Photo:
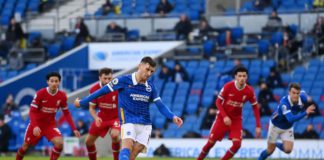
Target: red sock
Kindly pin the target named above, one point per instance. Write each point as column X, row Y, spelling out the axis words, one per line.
column 115, row 148
column 92, row 152
column 230, row 153
column 205, row 150
column 56, row 152
column 20, row 154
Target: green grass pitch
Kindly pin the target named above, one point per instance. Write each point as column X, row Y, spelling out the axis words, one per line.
column 85, row 158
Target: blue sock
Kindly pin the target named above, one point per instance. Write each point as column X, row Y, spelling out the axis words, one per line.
column 124, row 154
column 280, row 146
column 264, row 154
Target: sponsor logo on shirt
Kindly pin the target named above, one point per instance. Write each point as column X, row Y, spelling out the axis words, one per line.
column 49, row 110
column 234, row 103
column 139, row 97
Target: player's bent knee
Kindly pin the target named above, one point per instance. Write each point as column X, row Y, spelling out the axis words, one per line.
column 288, row 151
column 211, row 141
column 89, row 143
column 236, row 146
column 115, row 137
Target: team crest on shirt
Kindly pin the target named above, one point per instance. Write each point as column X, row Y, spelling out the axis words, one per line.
column 148, row 88
column 115, row 81
column 58, row 102
column 243, row 97
column 116, row 124
column 284, row 108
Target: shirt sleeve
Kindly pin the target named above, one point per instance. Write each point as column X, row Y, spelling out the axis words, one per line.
column 253, row 98
column 36, row 103
column 223, row 93
column 37, row 100
column 95, row 101
column 64, row 105
column 155, row 94
column 116, row 84
column 220, row 101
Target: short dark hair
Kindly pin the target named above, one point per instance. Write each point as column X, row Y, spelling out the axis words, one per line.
column 241, row 69
column 149, row 61
column 105, row 70
column 53, row 74
column 294, row 85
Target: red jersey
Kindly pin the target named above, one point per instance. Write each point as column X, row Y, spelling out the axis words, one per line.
column 45, row 105
column 107, row 104
column 233, row 99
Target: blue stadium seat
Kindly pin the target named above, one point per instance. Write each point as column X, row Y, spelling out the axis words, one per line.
column 263, row 47
column 65, row 129
column 273, row 106
column 133, row 35
column 237, row 34
column 279, row 92
column 316, row 91
column 314, row 62
column 312, row 69
column 318, row 123
column 159, row 122
column 68, row 43
column 192, row 104
column 307, row 85
column 54, row 50
column 180, row 99
column 219, row 64
column 277, row 38
column 309, row 76
column 308, row 44
column 169, row 133
column 300, row 128
column 265, row 72
column 208, row 47
column 205, row 133
column 322, row 135
column 255, row 63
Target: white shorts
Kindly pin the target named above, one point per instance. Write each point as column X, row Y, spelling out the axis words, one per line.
column 285, row 134
column 138, row 132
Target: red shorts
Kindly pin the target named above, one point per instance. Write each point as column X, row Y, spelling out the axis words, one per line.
column 104, row 128
column 48, row 131
column 219, row 129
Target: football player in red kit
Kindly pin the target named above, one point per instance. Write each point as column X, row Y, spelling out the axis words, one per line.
column 42, row 113
column 107, row 118
column 229, row 118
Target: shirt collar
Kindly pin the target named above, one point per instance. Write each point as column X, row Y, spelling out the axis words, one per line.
column 237, row 86
column 134, row 80
column 48, row 91
column 299, row 101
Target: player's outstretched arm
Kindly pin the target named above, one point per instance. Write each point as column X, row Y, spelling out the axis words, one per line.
column 164, row 109
column 294, row 118
column 85, row 101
